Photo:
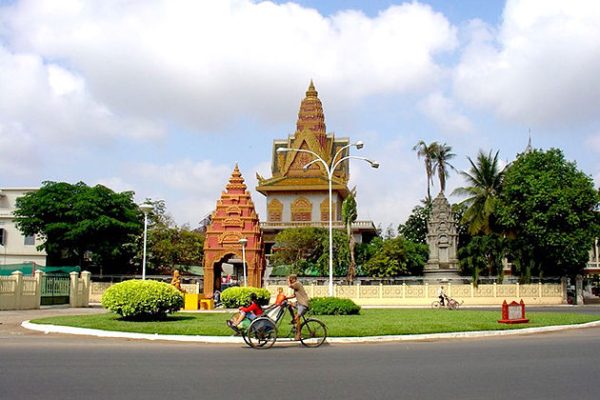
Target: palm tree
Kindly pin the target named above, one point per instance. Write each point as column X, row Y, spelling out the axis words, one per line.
column 442, row 154
column 427, row 151
column 349, row 215
column 484, row 180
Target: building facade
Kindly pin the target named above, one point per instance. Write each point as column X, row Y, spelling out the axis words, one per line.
column 298, row 191
column 14, row 247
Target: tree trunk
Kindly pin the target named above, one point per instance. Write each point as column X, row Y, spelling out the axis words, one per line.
column 351, row 246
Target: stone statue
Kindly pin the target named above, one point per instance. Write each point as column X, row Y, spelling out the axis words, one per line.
column 176, row 280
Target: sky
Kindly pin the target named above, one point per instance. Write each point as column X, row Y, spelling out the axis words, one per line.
column 163, row 97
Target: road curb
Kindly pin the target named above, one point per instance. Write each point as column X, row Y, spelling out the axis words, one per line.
column 334, row 340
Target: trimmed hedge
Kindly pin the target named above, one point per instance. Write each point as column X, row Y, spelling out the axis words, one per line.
column 235, row 297
column 142, row 300
column 333, row 306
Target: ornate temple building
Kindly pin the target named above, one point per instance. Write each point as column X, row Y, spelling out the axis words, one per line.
column 299, row 196
column 233, row 220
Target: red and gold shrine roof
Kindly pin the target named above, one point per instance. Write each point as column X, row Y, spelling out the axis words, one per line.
column 287, row 167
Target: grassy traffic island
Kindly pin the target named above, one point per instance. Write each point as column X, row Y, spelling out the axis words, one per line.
column 370, row 322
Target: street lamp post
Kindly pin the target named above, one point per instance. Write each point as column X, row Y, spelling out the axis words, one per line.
column 330, row 169
column 243, row 242
column 146, row 208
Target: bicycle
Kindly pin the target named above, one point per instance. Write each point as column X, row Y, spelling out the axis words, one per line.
column 262, row 333
column 450, row 304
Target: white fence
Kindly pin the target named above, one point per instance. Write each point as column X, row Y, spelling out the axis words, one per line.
column 18, row 292
column 425, row 294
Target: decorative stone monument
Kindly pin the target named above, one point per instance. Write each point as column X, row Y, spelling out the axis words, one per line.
column 234, row 219
column 442, row 240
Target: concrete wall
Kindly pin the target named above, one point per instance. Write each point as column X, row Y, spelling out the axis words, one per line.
column 24, row 293
column 425, row 294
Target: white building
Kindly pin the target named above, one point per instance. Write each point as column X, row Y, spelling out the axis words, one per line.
column 14, row 247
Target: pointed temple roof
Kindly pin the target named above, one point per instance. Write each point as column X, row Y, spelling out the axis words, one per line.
column 234, row 218
column 287, row 167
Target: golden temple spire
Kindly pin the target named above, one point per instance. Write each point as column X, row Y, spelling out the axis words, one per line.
column 236, row 182
column 311, row 116
column 312, row 92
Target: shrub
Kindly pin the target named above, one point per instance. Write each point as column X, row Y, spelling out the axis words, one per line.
column 333, row 306
column 142, row 300
column 234, row 297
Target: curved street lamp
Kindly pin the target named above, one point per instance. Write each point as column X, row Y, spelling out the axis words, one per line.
column 330, row 168
column 146, row 208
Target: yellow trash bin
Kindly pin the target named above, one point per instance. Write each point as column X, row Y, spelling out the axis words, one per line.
column 191, row 301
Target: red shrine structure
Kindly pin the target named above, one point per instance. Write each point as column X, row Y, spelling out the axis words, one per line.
column 234, row 219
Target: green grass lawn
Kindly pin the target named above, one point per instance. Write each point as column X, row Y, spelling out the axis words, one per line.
column 370, row 322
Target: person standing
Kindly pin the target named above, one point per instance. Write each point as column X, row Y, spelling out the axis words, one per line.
column 301, row 301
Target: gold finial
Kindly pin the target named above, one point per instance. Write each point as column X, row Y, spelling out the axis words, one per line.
column 311, row 92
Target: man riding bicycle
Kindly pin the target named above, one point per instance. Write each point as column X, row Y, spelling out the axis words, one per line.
column 301, row 301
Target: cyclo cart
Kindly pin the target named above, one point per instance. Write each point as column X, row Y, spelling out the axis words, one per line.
column 262, row 332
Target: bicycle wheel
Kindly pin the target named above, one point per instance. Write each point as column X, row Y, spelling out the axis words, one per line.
column 262, row 333
column 313, row 333
column 436, row 304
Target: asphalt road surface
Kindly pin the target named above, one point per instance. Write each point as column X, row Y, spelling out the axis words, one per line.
column 545, row 366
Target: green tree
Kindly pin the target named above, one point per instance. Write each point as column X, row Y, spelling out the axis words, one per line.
column 395, row 257
column 415, row 227
column 299, row 247
column 547, row 207
column 175, row 247
column 81, row 224
column 307, row 251
column 442, row 154
column 169, row 246
column 484, row 181
column 483, row 253
column 427, row 152
column 341, row 255
column 349, row 215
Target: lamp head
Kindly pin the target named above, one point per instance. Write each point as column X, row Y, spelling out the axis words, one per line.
column 282, row 149
column 374, row 164
column 146, row 208
column 305, row 168
column 359, row 145
column 243, row 241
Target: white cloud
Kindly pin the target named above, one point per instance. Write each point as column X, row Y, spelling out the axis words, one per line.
column 204, row 63
column 52, row 106
column 539, row 67
column 442, row 111
column 18, row 153
column 387, row 195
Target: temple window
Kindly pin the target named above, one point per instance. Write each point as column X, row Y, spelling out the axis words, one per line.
column 301, row 210
column 275, row 210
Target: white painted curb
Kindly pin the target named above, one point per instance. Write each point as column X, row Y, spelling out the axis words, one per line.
column 238, row 340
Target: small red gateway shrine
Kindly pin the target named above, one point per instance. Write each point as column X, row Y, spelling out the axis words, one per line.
column 513, row 313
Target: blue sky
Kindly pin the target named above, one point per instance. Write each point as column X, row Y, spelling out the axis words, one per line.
column 163, row 97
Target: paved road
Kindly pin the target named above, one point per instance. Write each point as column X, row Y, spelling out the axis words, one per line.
column 549, row 366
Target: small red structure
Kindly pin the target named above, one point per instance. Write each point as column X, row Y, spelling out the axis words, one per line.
column 513, row 313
